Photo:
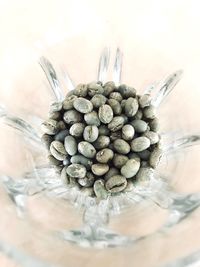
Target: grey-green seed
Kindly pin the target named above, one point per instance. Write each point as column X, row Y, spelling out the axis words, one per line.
column 102, row 142
column 104, row 155
column 145, row 154
column 115, row 105
column 66, row 162
column 55, row 106
column 116, row 124
column 109, row 87
column 100, row 190
column 64, row 176
column 140, row 126
column 50, row 127
column 140, row 144
column 116, row 183
column 87, row 181
column 133, row 155
column 54, row 161
column 112, row 171
column 72, row 116
column 55, row 115
column 61, row 135
column 98, row 100
column 71, row 145
column 105, row 113
column 68, row 103
column 126, row 91
column 103, row 130
column 130, row 168
column 57, row 149
column 121, row 146
column 138, row 115
column 153, row 137
column 154, row 125
column 94, row 88
column 61, row 125
column 100, row 169
column 83, row 105
column 144, row 100
column 46, row 140
column 128, row 132
column 116, row 95
column 81, row 90
column 90, row 133
column 115, row 135
column 80, row 159
column 144, row 176
column 155, row 157
column 149, row 112
column 131, row 106
column 77, row 129
column 92, row 118
column 76, row 171
column 119, row 160
column 86, row 149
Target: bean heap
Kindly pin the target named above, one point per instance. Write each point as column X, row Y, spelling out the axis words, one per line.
column 103, row 138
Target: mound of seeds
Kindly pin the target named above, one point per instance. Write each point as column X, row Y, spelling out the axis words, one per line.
column 103, row 138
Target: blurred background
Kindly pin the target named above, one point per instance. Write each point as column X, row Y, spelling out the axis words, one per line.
column 156, row 37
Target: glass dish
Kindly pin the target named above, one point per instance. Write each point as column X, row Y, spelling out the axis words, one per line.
column 43, row 223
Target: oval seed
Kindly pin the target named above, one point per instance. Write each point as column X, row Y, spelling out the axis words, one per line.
column 54, row 161
column 92, row 118
column 77, row 129
column 115, row 135
column 86, row 149
column 116, row 95
column 102, row 142
column 144, row 176
column 121, row 146
column 154, row 125
column 153, row 137
column 87, row 181
column 61, row 125
column 76, row 170
column 155, row 157
column 144, row 155
column 50, row 127
column 71, row 145
column 81, row 90
column 149, row 112
column 55, row 106
column 90, row 133
column 131, row 106
column 105, row 113
column 138, row 115
column 119, row 160
column 128, row 132
column 64, row 176
column 57, row 149
column 115, row 105
column 130, row 169
column 100, row 190
column 104, row 155
column 68, row 103
column 116, row 183
column 99, row 169
column 98, row 100
column 126, row 91
column 116, row 124
column 140, row 126
column 83, row 105
column 145, row 100
column 109, row 87
column 61, row 135
column 79, row 159
column 72, row 116
column 46, row 140
column 55, row 115
column 103, row 130
column 112, row 171
column 94, row 88
column 140, row 144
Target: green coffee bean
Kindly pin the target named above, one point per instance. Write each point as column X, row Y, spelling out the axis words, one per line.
column 94, row 88
column 144, row 155
column 154, row 125
column 131, row 107
column 81, row 90
column 153, row 137
column 140, row 126
column 87, row 181
column 116, row 183
column 138, row 115
column 145, row 100
column 71, row 145
column 102, row 142
column 140, row 144
column 55, row 106
column 50, row 127
column 64, row 176
column 83, row 105
column 57, row 149
column 86, row 149
column 130, row 186
column 121, row 146
column 61, row 125
column 115, row 135
column 105, row 113
column 149, row 112
column 119, row 160
column 70, row 93
column 123, row 102
column 115, row 105
column 125, row 118
column 98, row 100
column 128, row 132
column 126, row 91
column 79, row 159
column 155, row 157
column 77, row 129
column 90, row 133
column 72, row 116
column 66, row 162
column 100, row 190
column 61, row 135
column 92, row 118
column 144, row 176
column 116, row 95
column 104, row 155
column 55, row 115
column 100, row 169
column 112, row 171
column 54, row 161
column 109, row 87
column 116, row 124
column 133, row 155
column 46, row 140
column 103, row 130
column 130, row 168
column 76, row 170
column 68, row 103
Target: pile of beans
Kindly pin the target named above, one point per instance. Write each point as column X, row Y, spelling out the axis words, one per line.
column 103, row 138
